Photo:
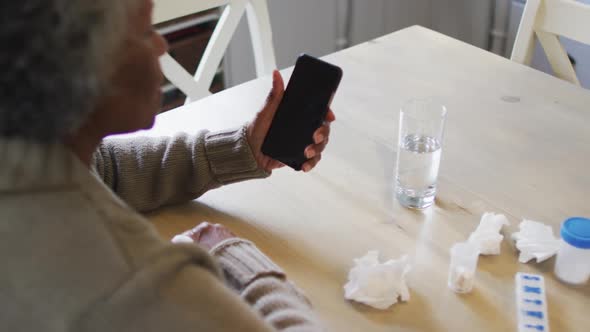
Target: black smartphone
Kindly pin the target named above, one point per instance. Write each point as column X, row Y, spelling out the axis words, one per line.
column 302, row 110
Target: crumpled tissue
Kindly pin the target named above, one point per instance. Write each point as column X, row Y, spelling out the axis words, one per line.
column 182, row 238
column 378, row 285
column 487, row 235
column 535, row 240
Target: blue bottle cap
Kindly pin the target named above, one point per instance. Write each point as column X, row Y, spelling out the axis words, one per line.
column 576, row 232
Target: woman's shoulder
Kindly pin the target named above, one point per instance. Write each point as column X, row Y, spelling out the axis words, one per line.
column 57, row 250
column 63, row 248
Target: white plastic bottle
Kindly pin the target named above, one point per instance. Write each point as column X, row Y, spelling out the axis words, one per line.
column 572, row 265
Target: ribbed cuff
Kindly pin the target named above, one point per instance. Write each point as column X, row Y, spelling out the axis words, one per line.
column 243, row 263
column 230, row 156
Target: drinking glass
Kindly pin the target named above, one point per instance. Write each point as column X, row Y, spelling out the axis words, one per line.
column 421, row 127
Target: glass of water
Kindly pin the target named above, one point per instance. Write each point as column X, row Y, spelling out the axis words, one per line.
column 421, row 127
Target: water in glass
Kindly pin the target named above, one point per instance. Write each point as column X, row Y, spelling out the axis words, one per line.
column 417, row 170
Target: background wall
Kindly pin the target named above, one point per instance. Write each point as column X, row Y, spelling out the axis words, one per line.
column 320, row 27
column 317, row 27
column 298, row 26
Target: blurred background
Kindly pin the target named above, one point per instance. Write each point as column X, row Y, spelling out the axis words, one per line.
column 320, row 27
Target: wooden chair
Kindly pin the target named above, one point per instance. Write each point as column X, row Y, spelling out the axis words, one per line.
column 196, row 85
column 549, row 19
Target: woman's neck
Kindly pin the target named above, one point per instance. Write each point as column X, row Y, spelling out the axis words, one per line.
column 83, row 143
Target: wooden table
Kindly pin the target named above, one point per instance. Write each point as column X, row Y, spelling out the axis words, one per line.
column 517, row 142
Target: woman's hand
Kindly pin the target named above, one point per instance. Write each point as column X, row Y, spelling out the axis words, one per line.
column 258, row 128
column 207, row 235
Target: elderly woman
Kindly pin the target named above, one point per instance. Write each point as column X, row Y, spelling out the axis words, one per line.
column 76, row 256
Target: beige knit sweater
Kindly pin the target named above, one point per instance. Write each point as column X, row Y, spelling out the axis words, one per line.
column 75, row 256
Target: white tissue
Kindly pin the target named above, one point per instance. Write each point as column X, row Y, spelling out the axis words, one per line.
column 535, row 240
column 378, row 284
column 487, row 235
column 181, row 238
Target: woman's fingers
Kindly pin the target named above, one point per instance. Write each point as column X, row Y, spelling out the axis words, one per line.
column 311, row 163
column 316, row 149
column 321, row 134
column 330, row 116
column 273, row 164
column 206, row 234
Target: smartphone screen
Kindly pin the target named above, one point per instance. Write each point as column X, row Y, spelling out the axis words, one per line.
column 302, row 110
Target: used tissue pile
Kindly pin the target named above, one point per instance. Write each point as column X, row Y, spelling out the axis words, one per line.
column 485, row 240
column 535, row 240
column 487, row 235
column 378, row 284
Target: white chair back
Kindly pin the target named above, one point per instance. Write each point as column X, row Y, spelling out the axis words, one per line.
column 196, row 85
column 549, row 19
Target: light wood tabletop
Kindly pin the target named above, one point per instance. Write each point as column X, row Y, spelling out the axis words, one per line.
column 517, row 142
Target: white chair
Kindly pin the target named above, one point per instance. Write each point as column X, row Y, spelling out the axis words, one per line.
column 549, row 19
column 196, row 85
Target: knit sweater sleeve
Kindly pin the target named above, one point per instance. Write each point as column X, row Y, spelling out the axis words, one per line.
column 177, row 289
column 149, row 172
column 264, row 286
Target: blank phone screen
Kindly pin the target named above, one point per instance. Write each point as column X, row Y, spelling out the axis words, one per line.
column 302, row 110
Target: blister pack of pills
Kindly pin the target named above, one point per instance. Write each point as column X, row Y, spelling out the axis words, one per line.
column 531, row 303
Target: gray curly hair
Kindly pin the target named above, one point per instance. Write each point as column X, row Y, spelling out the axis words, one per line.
column 55, row 60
